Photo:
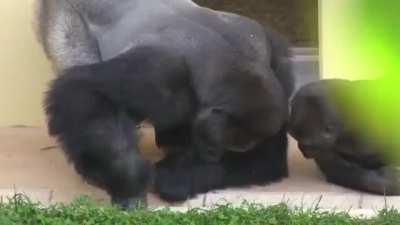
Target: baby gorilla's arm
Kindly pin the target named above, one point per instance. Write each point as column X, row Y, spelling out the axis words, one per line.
column 337, row 170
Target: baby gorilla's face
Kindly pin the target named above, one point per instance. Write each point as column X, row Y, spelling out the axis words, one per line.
column 314, row 123
column 216, row 132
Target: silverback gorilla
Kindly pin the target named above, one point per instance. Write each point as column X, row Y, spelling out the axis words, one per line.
column 319, row 123
column 214, row 85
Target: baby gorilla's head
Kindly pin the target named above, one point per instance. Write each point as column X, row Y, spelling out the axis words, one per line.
column 316, row 122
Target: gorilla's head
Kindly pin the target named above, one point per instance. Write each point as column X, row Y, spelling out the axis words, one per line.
column 217, row 131
column 316, row 122
column 247, row 113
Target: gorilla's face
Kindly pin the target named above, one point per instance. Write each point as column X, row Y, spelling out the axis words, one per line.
column 248, row 107
column 216, row 131
column 314, row 123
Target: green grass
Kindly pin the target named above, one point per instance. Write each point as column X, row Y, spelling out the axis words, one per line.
column 20, row 211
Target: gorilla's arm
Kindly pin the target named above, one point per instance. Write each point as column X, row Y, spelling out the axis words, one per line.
column 349, row 174
column 93, row 110
column 182, row 176
column 65, row 35
column 98, row 138
column 362, row 151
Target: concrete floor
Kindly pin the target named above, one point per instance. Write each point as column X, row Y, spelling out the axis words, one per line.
column 31, row 163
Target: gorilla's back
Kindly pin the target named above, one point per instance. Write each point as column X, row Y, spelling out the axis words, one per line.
column 217, row 46
column 198, row 33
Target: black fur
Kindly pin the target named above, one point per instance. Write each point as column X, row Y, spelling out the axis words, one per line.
column 91, row 111
column 214, row 85
column 322, row 124
column 182, row 176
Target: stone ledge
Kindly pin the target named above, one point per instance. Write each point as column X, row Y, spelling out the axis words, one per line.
column 357, row 204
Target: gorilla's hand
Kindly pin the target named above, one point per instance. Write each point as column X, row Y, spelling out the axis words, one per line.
column 182, row 176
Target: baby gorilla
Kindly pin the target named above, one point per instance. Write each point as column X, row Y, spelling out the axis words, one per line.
column 324, row 133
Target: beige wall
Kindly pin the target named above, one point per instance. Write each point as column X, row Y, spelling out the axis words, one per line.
column 24, row 70
column 331, row 30
column 341, row 55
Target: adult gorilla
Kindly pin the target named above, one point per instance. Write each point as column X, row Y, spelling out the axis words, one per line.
column 213, row 84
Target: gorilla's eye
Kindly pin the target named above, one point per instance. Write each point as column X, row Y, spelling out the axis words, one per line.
column 329, row 128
